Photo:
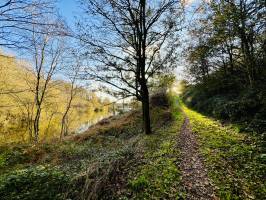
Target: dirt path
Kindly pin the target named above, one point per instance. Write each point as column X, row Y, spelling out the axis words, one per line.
column 195, row 181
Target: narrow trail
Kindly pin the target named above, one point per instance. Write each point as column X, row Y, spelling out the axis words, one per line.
column 194, row 178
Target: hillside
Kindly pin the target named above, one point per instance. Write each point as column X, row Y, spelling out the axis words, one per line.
column 17, row 101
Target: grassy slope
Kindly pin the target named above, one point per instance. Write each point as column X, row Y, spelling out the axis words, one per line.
column 113, row 160
column 53, row 171
column 235, row 160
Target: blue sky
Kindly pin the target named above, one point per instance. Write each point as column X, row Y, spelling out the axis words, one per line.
column 68, row 9
column 71, row 8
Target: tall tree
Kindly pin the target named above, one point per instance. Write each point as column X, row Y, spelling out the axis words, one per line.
column 234, row 37
column 128, row 42
column 47, row 53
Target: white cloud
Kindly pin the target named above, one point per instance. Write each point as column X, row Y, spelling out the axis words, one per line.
column 189, row 2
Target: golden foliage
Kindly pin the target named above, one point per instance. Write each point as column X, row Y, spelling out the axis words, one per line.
column 17, row 82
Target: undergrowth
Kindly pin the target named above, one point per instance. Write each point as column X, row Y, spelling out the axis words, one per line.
column 230, row 101
column 74, row 168
column 113, row 160
column 41, row 182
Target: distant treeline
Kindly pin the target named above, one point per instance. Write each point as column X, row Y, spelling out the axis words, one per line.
column 227, row 62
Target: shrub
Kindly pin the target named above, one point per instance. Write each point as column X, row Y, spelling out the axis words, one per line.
column 159, row 99
column 225, row 99
column 33, row 183
column 139, row 183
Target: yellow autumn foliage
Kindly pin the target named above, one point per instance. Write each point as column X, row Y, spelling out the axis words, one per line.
column 17, row 81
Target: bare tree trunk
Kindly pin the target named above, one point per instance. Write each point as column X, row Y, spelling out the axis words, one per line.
column 73, row 92
column 142, row 62
column 37, row 124
column 146, row 114
column 64, row 127
column 145, row 100
column 29, row 121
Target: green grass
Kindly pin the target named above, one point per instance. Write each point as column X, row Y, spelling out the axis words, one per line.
column 159, row 176
column 235, row 161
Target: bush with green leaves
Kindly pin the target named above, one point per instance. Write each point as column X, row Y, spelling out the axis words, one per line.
column 41, row 182
column 226, row 98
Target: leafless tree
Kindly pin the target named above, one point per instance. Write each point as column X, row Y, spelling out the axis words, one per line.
column 18, row 16
column 19, row 20
column 72, row 73
column 47, row 54
column 128, row 42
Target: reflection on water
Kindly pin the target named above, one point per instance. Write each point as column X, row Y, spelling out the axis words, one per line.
column 84, row 127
